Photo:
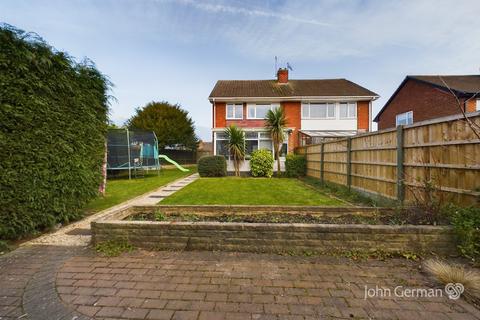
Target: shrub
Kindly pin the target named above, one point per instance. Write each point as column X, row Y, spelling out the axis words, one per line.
column 52, row 135
column 261, row 163
column 212, row 166
column 295, row 165
column 466, row 222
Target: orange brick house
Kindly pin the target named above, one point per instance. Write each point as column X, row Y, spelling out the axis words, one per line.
column 315, row 110
column 420, row 98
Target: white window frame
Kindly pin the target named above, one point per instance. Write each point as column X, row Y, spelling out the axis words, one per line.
column 349, row 116
column 478, row 104
column 235, row 106
column 336, row 106
column 406, row 114
column 254, row 106
column 327, row 117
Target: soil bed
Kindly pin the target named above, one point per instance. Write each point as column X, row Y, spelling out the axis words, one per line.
column 391, row 218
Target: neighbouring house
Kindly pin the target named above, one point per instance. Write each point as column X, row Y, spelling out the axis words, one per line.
column 315, row 110
column 420, row 98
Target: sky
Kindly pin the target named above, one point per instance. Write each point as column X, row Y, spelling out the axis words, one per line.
column 176, row 50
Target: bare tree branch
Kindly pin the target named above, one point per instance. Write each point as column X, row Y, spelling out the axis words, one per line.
column 475, row 127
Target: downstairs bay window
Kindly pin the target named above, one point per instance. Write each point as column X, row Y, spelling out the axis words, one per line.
column 254, row 140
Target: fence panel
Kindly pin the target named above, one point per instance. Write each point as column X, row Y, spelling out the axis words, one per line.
column 400, row 163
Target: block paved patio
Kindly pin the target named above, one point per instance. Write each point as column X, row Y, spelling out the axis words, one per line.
column 60, row 282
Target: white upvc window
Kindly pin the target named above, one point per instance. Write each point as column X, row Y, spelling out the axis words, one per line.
column 259, row 110
column 312, row 110
column 478, row 105
column 405, row 118
column 348, row 110
column 235, row 111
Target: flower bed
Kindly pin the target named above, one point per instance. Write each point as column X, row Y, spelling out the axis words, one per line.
column 270, row 229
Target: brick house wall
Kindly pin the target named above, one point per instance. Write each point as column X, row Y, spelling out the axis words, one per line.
column 293, row 115
column 426, row 101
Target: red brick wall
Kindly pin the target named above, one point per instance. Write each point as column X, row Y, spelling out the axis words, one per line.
column 220, row 115
column 363, row 118
column 294, row 121
column 425, row 101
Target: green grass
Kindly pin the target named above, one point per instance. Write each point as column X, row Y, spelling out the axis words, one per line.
column 120, row 190
column 253, row 191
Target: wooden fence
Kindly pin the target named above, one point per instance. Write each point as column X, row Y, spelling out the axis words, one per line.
column 397, row 163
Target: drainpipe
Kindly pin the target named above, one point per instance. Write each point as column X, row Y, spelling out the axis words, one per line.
column 213, row 126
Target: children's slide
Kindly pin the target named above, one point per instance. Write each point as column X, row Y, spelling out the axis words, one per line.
column 179, row 167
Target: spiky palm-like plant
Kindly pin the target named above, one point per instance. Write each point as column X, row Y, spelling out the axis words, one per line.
column 236, row 146
column 275, row 123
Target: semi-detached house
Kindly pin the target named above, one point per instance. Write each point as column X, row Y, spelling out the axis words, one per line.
column 315, row 110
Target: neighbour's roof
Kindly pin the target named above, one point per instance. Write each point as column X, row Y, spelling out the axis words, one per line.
column 461, row 85
column 294, row 88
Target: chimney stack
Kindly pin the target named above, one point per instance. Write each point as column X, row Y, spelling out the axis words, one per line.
column 282, row 75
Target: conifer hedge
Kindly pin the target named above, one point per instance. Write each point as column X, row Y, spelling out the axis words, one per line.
column 53, row 116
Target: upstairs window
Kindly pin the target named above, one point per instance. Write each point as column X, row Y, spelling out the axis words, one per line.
column 318, row 110
column 348, row 110
column 235, row 111
column 259, row 111
column 405, row 118
column 478, row 105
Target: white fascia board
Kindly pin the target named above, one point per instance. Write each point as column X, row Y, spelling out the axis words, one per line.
column 302, row 98
column 256, row 129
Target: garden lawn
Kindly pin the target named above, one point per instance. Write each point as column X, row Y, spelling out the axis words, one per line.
column 120, row 190
column 250, row 191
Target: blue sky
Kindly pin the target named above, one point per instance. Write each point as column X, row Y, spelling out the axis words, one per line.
column 177, row 50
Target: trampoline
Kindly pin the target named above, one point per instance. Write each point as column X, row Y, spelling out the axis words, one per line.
column 132, row 150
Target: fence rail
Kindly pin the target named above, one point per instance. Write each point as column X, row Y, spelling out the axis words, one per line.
column 397, row 163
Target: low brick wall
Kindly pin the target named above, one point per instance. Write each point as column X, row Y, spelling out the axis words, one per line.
column 272, row 237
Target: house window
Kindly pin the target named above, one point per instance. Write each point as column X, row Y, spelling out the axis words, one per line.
column 404, row 118
column 254, row 140
column 318, row 110
column 348, row 110
column 235, row 111
column 478, row 105
column 259, row 111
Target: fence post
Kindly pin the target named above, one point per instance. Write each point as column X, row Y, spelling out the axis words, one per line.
column 349, row 162
column 322, row 157
column 400, row 172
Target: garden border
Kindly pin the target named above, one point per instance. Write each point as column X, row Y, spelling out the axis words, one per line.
column 271, row 237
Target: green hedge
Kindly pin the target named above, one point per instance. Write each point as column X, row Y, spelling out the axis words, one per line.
column 52, row 134
column 212, row 166
column 295, row 165
column 261, row 163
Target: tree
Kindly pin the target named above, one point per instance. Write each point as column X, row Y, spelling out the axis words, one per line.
column 236, row 146
column 171, row 124
column 275, row 123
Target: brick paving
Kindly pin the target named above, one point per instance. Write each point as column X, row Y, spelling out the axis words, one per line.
column 60, row 282
column 215, row 285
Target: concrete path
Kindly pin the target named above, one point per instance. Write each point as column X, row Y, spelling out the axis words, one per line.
column 78, row 233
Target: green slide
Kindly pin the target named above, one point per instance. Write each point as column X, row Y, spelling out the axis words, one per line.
column 179, row 167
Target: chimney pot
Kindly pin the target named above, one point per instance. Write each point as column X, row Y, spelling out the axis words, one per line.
column 282, row 75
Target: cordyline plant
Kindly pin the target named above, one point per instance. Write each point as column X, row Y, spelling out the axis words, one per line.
column 275, row 123
column 236, row 146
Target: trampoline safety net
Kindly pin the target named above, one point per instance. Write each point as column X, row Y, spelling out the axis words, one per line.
column 131, row 150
